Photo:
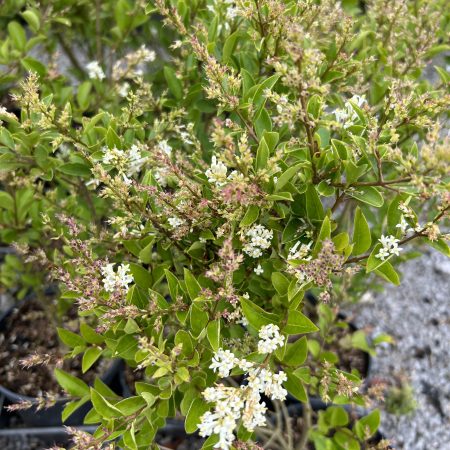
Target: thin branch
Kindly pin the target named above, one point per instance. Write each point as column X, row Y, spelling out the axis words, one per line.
column 307, row 412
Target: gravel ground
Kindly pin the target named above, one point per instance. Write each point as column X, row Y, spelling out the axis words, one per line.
column 417, row 315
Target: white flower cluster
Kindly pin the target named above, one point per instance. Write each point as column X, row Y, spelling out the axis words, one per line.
column 300, row 253
column 126, row 162
column 95, row 71
column 165, row 147
column 113, row 280
column 348, row 116
column 260, row 239
column 269, row 339
column 217, row 173
column 145, row 54
column 241, row 403
column 390, row 247
column 176, row 222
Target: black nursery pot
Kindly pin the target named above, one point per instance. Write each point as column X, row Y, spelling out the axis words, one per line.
column 51, row 417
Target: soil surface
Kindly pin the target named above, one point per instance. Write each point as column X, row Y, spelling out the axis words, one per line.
column 417, row 315
column 27, row 331
column 349, row 358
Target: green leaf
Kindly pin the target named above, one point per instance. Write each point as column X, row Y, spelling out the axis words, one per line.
column 175, row 86
column 346, row 440
column 340, row 148
column 90, row 357
column 71, row 407
column 192, row 285
column 314, row 207
column 83, row 94
column 280, row 196
column 130, row 405
column 70, row 339
column 71, row 384
column 90, row 335
column 257, row 316
column 262, row 155
column 440, row 245
column 353, row 172
column 298, row 323
column 229, row 46
column 7, row 139
column 280, row 283
column 394, row 215
column 314, row 106
column 373, row 262
column 75, row 169
column 268, row 83
column 336, row 416
column 6, row 201
column 263, row 123
column 388, row 272
column 251, row 215
column 271, row 138
column 287, row 175
column 198, row 319
column 213, row 333
column 296, row 353
column 368, row 425
column 146, row 254
column 32, row 19
column 33, row 65
column 106, row 409
column 17, row 35
column 367, row 194
column 141, row 276
column 196, row 411
column 295, row 387
column 362, row 239
column 173, row 283
column 324, row 233
column 112, row 139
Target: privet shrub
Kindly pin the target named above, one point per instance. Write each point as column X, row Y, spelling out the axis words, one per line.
column 187, row 202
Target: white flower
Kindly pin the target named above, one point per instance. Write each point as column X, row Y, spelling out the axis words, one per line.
column 236, row 176
column 348, row 115
column 245, row 365
column 123, row 89
column 217, row 173
column 146, row 54
column 263, row 380
column 160, row 178
column 260, row 239
column 165, row 147
column 270, row 339
column 403, row 225
column 239, row 403
column 223, row 362
column 389, row 247
column 113, row 280
column 300, row 253
column 135, row 160
column 258, row 270
column 176, row 222
column 186, row 137
column 359, row 100
column 232, row 12
column 222, row 426
column 124, row 278
column 128, row 162
column 254, row 413
column 95, row 71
